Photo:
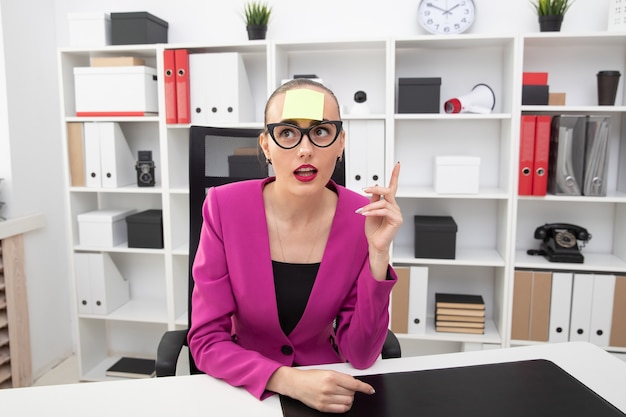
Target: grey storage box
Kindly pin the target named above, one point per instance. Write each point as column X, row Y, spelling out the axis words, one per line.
column 145, row 229
column 419, row 95
column 435, row 237
column 137, row 28
column 246, row 166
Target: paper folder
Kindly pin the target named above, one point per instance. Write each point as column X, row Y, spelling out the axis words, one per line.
column 567, row 155
column 596, row 148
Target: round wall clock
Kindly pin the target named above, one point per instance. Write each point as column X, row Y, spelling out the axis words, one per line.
column 446, row 17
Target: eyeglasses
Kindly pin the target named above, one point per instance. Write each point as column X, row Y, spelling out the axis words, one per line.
column 322, row 135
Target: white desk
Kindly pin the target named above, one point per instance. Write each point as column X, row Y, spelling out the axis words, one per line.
column 201, row 395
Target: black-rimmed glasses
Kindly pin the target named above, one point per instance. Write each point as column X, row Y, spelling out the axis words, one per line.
column 322, row 135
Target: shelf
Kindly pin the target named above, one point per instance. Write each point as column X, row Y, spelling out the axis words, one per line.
column 134, row 189
column 611, row 197
column 98, row 372
column 460, row 117
column 429, row 192
column 491, row 334
column 120, row 119
column 574, row 109
column 594, row 262
column 492, row 222
column 142, row 311
column 121, row 248
column 403, row 255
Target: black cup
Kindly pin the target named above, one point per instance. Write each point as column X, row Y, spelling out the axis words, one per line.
column 607, row 87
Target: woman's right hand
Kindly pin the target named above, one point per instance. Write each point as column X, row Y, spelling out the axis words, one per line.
column 326, row 391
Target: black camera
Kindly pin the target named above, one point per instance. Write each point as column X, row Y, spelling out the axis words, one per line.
column 145, row 169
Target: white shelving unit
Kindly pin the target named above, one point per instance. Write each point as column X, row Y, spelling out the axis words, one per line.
column 495, row 225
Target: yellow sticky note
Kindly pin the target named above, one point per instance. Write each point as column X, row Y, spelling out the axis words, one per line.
column 303, row 104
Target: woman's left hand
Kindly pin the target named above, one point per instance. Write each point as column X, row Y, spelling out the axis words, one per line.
column 383, row 218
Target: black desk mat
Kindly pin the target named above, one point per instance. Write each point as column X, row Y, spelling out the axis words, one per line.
column 524, row 388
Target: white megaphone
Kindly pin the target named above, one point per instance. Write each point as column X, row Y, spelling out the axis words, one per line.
column 480, row 100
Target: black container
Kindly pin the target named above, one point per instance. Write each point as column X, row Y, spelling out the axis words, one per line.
column 145, row 229
column 246, row 166
column 435, row 237
column 137, row 28
column 535, row 95
column 419, row 95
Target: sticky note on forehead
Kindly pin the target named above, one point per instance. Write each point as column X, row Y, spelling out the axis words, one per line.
column 303, row 104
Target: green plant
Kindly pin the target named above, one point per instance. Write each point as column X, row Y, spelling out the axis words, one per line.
column 257, row 13
column 551, row 7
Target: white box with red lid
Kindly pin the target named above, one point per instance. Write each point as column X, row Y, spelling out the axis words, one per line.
column 115, row 91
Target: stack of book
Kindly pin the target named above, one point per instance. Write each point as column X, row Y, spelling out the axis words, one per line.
column 459, row 313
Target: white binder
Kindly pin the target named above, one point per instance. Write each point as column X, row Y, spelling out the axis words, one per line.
column 582, row 297
column 92, row 155
column 219, row 90
column 602, row 309
column 560, row 306
column 365, row 153
column 117, row 162
column 109, row 161
column 83, row 283
column 100, row 287
column 418, row 297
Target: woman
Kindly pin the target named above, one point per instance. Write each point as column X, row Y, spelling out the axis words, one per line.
column 294, row 270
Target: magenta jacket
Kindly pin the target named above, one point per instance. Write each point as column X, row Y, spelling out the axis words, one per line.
column 235, row 333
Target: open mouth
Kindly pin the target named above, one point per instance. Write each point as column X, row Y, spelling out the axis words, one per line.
column 305, row 173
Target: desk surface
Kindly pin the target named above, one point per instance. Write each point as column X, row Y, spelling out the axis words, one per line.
column 201, row 395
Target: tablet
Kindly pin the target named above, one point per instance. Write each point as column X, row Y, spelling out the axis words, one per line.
column 514, row 389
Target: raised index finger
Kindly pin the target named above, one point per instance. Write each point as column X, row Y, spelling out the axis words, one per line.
column 393, row 182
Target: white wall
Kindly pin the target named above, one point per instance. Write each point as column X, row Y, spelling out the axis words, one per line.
column 215, row 21
column 29, row 135
column 30, row 127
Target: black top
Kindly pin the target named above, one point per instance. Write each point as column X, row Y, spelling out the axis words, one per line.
column 293, row 284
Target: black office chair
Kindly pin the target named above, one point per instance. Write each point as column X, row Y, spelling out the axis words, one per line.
column 206, row 169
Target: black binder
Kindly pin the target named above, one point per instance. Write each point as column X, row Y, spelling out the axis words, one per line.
column 535, row 388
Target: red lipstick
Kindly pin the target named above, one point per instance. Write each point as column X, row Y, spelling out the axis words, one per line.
column 305, row 173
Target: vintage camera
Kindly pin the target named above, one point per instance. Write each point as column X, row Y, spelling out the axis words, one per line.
column 145, row 169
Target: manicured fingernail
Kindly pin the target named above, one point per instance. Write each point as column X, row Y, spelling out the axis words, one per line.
column 373, row 391
column 359, row 210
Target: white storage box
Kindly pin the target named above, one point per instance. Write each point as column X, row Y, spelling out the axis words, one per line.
column 457, row 174
column 89, row 29
column 115, row 91
column 103, row 228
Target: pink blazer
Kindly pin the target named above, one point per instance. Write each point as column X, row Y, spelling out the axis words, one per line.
column 234, row 294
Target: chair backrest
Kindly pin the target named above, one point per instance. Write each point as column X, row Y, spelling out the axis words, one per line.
column 213, row 161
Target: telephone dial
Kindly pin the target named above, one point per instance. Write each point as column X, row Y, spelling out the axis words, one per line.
column 561, row 242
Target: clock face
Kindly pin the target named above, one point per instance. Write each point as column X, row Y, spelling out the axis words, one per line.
column 446, row 17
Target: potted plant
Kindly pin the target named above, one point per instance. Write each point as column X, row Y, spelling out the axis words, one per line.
column 550, row 13
column 257, row 15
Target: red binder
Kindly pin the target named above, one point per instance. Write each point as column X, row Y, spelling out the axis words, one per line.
column 182, row 86
column 542, row 155
column 526, row 154
column 169, row 77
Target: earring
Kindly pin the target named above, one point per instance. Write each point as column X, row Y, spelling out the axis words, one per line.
column 339, row 158
column 268, row 161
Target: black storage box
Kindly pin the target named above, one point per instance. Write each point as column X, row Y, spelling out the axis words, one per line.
column 435, row 237
column 535, row 95
column 145, row 229
column 246, row 166
column 137, row 28
column 419, row 95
